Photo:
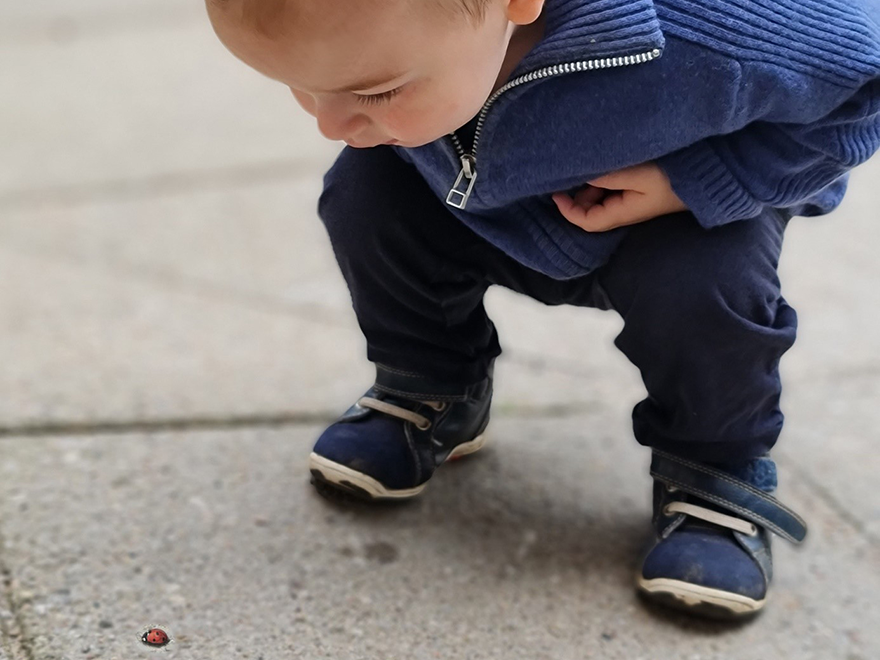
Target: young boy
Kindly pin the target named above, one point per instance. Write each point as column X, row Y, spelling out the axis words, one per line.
column 637, row 155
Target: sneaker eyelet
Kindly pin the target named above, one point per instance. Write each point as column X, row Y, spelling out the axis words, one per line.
column 754, row 530
column 443, row 405
column 671, row 489
column 667, row 512
column 423, row 428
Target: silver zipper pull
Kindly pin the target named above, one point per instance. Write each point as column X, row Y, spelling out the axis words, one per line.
column 456, row 197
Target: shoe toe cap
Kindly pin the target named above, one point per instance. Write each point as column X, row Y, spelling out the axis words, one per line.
column 377, row 448
column 707, row 558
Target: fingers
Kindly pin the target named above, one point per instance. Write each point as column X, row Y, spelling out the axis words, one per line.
column 583, row 199
column 589, row 195
column 625, row 197
column 616, row 209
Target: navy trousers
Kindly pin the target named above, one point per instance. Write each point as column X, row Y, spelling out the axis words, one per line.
column 704, row 319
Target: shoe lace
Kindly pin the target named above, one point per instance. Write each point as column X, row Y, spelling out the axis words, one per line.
column 421, row 422
column 711, row 516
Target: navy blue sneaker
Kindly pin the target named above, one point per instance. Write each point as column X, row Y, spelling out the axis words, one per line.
column 389, row 443
column 711, row 555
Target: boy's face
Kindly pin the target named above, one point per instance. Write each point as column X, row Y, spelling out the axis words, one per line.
column 339, row 57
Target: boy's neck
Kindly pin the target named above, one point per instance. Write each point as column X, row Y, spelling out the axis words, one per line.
column 524, row 38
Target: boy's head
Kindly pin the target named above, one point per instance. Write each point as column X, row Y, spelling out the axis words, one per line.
column 438, row 60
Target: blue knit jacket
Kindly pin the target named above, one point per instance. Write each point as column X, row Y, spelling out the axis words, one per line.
column 747, row 105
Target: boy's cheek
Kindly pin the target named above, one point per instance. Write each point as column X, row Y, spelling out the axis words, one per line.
column 306, row 102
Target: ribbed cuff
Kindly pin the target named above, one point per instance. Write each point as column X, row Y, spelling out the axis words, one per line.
column 705, row 185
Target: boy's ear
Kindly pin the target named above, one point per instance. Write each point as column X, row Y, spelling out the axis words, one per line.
column 523, row 12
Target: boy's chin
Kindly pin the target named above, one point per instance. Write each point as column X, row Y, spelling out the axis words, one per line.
column 409, row 144
column 413, row 144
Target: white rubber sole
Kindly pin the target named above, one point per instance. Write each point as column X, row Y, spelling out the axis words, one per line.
column 693, row 596
column 365, row 485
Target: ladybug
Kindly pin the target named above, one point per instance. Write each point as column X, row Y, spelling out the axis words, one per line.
column 155, row 637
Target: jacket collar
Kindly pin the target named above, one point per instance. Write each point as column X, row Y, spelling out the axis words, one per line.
column 591, row 29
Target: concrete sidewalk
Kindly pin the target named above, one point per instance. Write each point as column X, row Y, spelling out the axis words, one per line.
column 175, row 334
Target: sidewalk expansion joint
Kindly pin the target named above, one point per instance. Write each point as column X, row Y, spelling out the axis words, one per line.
column 111, row 427
column 207, row 423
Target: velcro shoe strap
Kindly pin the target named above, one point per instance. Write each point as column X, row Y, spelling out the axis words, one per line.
column 730, row 493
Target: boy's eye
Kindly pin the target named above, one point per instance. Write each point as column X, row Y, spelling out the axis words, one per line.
column 374, row 99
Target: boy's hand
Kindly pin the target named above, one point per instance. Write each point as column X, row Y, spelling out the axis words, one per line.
column 625, row 197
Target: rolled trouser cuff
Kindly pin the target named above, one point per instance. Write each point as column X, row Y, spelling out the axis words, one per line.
column 412, row 385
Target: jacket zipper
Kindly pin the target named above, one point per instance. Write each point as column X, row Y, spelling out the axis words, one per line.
column 458, row 198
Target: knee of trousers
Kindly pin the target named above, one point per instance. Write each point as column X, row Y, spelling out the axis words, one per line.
column 377, row 207
column 370, row 193
column 691, row 304
column 718, row 287
column 347, row 198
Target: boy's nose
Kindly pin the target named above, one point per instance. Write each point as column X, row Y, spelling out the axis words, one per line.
column 338, row 123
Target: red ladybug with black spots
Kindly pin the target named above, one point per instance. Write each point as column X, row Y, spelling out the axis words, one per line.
column 155, row 637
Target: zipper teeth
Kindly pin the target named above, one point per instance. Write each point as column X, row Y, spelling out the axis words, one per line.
column 554, row 70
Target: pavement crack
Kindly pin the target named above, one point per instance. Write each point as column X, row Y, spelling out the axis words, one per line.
column 541, row 362
column 14, row 638
column 177, row 283
column 223, row 423
column 269, row 303
column 837, row 507
column 108, row 427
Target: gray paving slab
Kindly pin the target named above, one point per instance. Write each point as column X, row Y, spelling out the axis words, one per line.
column 88, row 347
column 10, row 649
column 260, row 247
column 160, row 257
column 261, row 241
column 265, row 240
column 831, row 376
column 84, row 347
column 526, row 551
column 66, row 23
column 90, row 114
column 44, row 10
column 112, row 301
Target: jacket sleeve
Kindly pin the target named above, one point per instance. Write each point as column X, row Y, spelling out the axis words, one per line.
column 790, row 136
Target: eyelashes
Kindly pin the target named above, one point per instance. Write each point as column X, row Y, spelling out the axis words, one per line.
column 377, row 99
